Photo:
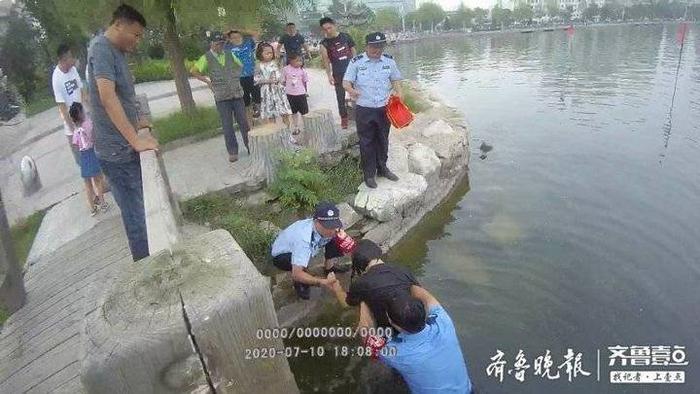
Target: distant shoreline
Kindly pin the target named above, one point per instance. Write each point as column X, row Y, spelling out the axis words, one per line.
column 530, row 30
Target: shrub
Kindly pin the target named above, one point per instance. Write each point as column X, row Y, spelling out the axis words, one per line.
column 155, row 70
column 299, row 184
column 23, row 234
column 10, row 101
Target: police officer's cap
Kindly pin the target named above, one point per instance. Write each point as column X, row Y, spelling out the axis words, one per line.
column 215, row 36
column 375, row 38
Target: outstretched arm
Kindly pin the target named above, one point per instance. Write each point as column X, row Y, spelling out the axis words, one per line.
column 424, row 296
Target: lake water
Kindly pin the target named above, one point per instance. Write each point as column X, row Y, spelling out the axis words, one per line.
column 581, row 228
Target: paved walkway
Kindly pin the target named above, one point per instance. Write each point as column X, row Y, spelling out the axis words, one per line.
column 193, row 169
column 40, row 345
column 74, row 254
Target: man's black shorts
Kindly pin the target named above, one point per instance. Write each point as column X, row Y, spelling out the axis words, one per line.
column 298, row 104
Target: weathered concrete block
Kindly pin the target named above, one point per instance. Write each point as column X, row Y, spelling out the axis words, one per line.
column 390, row 199
column 168, row 321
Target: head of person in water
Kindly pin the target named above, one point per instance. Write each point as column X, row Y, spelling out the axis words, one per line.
column 365, row 252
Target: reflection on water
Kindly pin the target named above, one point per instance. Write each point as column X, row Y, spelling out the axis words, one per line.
column 573, row 233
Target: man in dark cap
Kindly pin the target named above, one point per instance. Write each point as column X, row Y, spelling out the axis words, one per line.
column 369, row 80
column 297, row 244
column 223, row 71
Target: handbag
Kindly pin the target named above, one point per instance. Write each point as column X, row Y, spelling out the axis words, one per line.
column 398, row 113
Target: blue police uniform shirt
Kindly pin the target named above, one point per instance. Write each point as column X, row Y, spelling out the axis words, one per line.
column 431, row 360
column 301, row 240
column 372, row 77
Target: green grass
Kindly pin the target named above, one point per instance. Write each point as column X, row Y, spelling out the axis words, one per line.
column 40, row 103
column 414, row 102
column 204, row 123
column 23, row 234
column 343, row 179
column 155, row 70
column 219, row 210
column 3, row 316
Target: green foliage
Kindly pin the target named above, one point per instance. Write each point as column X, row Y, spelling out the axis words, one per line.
column 39, row 103
column 523, row 13
column 224, row 211
column 18, row 56
column 351, row 13
column 415, row 103
column 462, row 18
column 591, row 11
column 429, row 14
column 23, row 234
column 203, row 122
column 342, row 179
column 386, row 19
column 299, row 183
column 501, row 16
column 358, row 35
column 4, row 315
column 156, row 70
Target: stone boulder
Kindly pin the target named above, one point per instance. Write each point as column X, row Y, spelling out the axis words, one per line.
column 422, row 160
column 397, row 158
column 391, row 199
column 450, row 145
column 348, row 215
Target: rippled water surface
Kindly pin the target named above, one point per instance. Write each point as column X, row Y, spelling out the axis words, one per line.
column 581, row 228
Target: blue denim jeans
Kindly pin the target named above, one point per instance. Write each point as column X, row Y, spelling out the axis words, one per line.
column 127, row 189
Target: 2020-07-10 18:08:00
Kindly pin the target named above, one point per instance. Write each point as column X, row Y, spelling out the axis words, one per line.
column 315, row 351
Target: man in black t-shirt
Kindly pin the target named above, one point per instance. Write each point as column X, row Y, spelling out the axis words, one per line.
column 337, row 49
column 292, row 41
column 377, row 284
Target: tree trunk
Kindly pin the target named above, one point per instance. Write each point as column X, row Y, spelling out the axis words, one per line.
column 12, row 295
column 177, row 62
column 266, row 142
column 320, row 134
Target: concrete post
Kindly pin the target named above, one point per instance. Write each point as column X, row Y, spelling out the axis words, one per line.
column 12, row 294
column 185, row 323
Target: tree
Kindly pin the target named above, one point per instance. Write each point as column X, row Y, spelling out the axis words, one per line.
column 609, row 11
column 480, row 15
column 430, row 14
column 463, row 16
column 18, row 55
column 552, row 8
column 591, row 11
column 501, row 16
column 523, row 12
column 565, row 14
column 350, row 13
column 387, row 19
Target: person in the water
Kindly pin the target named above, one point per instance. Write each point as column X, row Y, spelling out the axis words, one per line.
column 374, row 281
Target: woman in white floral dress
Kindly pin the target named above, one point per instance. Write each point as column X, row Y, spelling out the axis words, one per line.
column 268, row 76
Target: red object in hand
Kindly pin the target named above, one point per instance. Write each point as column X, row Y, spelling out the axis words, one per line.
column 375, row 343
column 398, row 113
column 345, row 243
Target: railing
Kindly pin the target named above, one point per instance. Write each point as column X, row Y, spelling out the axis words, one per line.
column 161, row 213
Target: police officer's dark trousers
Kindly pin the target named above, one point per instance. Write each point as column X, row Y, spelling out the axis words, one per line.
column 373, row 130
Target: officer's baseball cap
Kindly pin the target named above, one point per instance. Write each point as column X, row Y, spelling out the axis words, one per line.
column 328, row 215
column 376, row 38
column 215, row 36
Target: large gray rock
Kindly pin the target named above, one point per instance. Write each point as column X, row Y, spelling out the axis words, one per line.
column 169, row 320
column 422, row 160
column 450, row 145
column 348, row 215
column 390, row 199
column 397, row 158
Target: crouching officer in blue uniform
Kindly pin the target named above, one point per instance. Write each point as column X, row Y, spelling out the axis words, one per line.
column 369, row 80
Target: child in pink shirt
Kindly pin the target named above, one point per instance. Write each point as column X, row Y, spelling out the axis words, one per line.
column 84, row 139
column 295, row 78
